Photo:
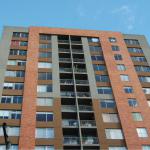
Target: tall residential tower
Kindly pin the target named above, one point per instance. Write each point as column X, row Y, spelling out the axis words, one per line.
column 74, row 89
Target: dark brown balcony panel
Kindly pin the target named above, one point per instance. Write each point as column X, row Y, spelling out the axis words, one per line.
column 13, row 139
column 140, row 63
column 145, row 84
column 103, row 84
column 45, row 59
column 98, row 62
column 12, row 92
column 136, row 54
column 44, row 70
column 42, row 124
column 10, row 67
column 14, row 57
column 6, row 106
column 10, row 122
column 19, row 39
column 143, row 73
column 19, row 47
column 45, row 81
column 14, row 79
column 44, row 41
column 133, row 46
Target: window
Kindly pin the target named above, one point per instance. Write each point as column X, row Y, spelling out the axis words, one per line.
column 121, row 67
column 95, row 48
column 128, row 89
column 93, row 40
column 13, row 147
column 45, row 54
column 102, row 78
column 137, row 116
column 44, row 116
column 44, row 65
column 16, row 62
column 145, row 147
column 44, row 88
column 12, row 131
column 20, row 34
column 14, row 86
column 148, row 102
column 142, row 132
column 135, row 50
column 139, row 59
column 144, row 78
column 44, row 147
column 14, row 73
column 114, row 134
column 45, row 102
column 112, row 39
column 18, row 52
column 132, row 102
column 146, row 90
column 115, row 48
column 107, row 103
column 97, row 58
column 124, row 77
column 45, row 46
column 142, row 68
column 23, row 43
column 99, row 67
column 12, row 99
column 108, row 117
column 45, row 37
column 104, row 90
column 44, row 133
column 117, row 148
column 45, row 76
column 8, row 114
column 118, row 57
column 131, row 42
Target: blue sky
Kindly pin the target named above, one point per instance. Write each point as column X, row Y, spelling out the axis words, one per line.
column 127, row 16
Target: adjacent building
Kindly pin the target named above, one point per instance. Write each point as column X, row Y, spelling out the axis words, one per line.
column 74, row 89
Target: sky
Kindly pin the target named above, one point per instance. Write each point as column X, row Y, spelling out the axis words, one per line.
column 126, row 16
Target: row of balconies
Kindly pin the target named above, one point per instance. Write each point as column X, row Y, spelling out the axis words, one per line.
column 73, row 94
column 69, row 60
column 70, row 81
column 64, row 50
column 85, row 140
column 78, row 70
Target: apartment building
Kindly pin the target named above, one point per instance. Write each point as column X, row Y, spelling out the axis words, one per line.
column 74, row 89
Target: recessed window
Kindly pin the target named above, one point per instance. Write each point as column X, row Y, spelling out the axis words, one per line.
column 13, row 147
column 118, row 57
column 13, row 86
column 104, row 90
column 45, row 54
column 44, row 76
column 110, row 117
column 10, row 114
column 137, row 116
column 107, row 103
column 135, row 50
column 121, row 67
column 144, row 78
column 20, row 34
column 115, row 48
column 18, row 52
column 99, row 67
column 16, row 62
column 11, row 99
column 97, row 58
column 44, row 147
column 132, row 42
column 145, row 147
column 14, row 73
column 11, row 131
column 132, row 102
column 112, row 40
column 128, row 89
column 45, row 101
column 44, row 116
column 44, row 88
column 142, row 132
column 146, row 90
column 102, row 78
column 124, row 77
column 44, row 65
column 138, row 59
column 93, row 40
column 23, row 43
column 117, row 148
column 45, row 37
column 44, row 133
column 142, row 68
column 114, row 134
column 45, row 46
column 95, row 48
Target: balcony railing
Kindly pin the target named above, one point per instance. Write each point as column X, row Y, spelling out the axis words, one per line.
column 65, row 59
column 80, row 70
column 66, row 81
column 65, row 69
column 78, row 60
column 83, row 94
column 68, row 108
column 85, row 108
column 64, row 50
column 63, row 41
column 82, row 82
column 90, row 140
column 71, row 140
column 69, row 123
column 67, row 94
column 88, row 123
column 77, row 50
column 76, row 42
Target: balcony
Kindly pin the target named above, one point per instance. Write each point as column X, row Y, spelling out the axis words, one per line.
column 78, row 60
column 83, row 94
column 65, row 59
column 82, row 82
column 77, row 51
column 63, row 41
column 85, row 108
column 65, row 69
column 67, row 94
column 63, row 50
column 69, row 123
column 87, row 123
column 90, row 140
column 71, row 140
column 80, row 70
column 66, row 81
column 68, row 108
